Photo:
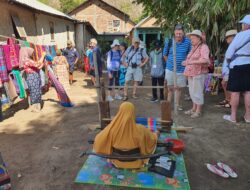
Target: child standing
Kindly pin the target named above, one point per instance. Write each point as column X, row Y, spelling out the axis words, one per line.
column 157, row 70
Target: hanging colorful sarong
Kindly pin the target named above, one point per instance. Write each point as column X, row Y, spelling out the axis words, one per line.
column 3, row 69
column 19, row 80
column 63, row 97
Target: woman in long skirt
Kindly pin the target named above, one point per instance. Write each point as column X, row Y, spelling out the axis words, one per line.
column 61, row 69
column 32, row 69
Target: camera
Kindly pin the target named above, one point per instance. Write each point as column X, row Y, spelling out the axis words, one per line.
column 134, row 65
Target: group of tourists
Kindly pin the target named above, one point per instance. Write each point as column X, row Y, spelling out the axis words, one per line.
column 193, row 63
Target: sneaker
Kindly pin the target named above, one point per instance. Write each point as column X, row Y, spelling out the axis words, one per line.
column 125, row 98
column 179, row 108
column 118, row 97
column 214, row 169
column 110, row 98
column 134, row 96
column 153, row 100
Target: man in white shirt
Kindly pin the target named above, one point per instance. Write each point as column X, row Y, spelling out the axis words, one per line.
column 238, row 57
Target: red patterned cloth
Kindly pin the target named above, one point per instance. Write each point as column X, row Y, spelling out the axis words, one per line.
column 3, row 69
column 11, row 54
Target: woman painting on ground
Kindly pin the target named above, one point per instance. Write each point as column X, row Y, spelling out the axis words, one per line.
column 62, row 69
column 125, row 135
column 196, row 70
column 32, row 69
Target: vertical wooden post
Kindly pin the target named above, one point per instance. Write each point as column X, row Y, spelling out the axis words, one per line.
column 165, row 91
column 103, row 93
column 97, row 78
column 166, row 114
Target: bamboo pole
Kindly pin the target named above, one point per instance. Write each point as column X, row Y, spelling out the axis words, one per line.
column 175, row 78
column 141, row 87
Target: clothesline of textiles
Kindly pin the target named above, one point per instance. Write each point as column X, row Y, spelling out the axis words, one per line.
column 12, row 75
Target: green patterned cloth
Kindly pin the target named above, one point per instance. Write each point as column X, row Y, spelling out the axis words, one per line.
column 97, row 170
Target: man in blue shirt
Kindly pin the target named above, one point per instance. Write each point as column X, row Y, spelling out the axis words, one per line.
column 238, row 57
column 72, row 57
column 183, row 47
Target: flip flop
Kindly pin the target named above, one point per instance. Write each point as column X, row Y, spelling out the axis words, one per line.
column 227, row 169
column 217, row 171
column 228, row 118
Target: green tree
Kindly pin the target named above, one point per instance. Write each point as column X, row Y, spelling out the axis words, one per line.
column 211, row 16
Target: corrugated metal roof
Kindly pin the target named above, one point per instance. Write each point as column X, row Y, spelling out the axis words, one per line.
column 42, row 7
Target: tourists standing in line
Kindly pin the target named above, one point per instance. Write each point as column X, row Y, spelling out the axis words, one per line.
column 238, row 58
column 183, row 47
column 134, row 59
column 72, row 56
column 196, row 69
column 113, row 66
column 225, row 71
column 157, row 70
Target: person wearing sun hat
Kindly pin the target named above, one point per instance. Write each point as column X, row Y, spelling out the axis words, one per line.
column 113, row 66
column 238, row 57
column 196, row 69
column 229, row 36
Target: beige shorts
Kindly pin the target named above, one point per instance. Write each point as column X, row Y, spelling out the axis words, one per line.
column 181, row 79
column 196, row 88
column 134, row 74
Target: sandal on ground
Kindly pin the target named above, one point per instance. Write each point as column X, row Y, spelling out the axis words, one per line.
column 214, row 169
column 189, row 112
column 125, row 98
column 222, row 103
column 228, row 118
column 134, row 96
column 227, row 105
column 196, row 115
column 246, row 120
column 227, row 169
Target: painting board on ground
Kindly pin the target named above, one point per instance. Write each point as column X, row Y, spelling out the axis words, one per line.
column 98, row 171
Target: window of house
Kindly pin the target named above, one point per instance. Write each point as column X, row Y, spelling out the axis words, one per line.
column 116, row 25
column 18, row 28
column 52, row 30
column 110, row 26
column 67, row 28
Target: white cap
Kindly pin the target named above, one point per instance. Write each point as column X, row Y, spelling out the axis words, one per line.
column 136, row 39
column 245, row 20
column 115, row 43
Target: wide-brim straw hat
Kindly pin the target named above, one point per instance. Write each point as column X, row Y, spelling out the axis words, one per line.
column 230, row 33
column 195, row 33
column 94, row 41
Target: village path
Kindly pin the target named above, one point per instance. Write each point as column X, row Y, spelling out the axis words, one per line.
column 42, row 149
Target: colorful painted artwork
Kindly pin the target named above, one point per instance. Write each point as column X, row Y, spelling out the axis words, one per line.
column 97, row 170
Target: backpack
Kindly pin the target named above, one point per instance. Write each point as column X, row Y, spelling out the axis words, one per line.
column 111, row 54
column 141, row 50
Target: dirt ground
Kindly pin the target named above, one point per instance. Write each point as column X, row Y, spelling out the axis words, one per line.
column 42, row 149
